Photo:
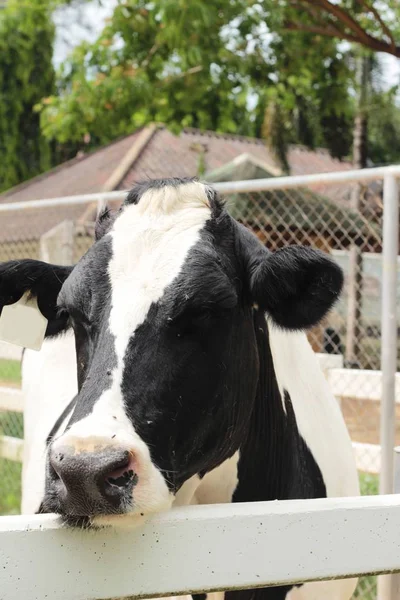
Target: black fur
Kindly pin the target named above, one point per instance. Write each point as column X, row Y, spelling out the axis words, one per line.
column 296, row 285
column 104, row 222
column 60, row 420
column 42, row 280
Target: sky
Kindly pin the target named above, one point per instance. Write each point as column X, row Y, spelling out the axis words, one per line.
column 92, row 16
column 87, row 21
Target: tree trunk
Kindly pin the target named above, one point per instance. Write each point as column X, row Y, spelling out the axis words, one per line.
column 355, row 275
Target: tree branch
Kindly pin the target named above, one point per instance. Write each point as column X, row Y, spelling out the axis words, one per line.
column 328, row 31
column 343, row 20
column 152, row 51
column 341, row 15
column 383, row 25
column 370, row 42
column 190, row 71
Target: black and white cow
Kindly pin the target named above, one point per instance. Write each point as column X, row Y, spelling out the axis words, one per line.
column 184, row 375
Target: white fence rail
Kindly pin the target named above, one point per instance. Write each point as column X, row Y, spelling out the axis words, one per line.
column 203, row 548
column 11, row 448
column 11, row 399
column 249, row 185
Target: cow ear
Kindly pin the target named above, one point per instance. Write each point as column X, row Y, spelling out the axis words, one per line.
column 296, row 286
column 42, row 281
column 104, row 221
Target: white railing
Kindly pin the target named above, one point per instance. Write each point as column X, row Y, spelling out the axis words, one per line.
column 203, row 548
column 249, row 185
column 11, row 399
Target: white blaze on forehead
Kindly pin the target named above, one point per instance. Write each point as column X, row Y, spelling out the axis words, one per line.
column 150, row 243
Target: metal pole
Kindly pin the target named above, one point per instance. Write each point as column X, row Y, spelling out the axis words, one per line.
column 228, row 187
column 387, row 584
column 389, row 328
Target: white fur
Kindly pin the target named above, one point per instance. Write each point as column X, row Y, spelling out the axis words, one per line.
column 150, row 244
column 49, row 382
column 218, row 486
column 318, row 415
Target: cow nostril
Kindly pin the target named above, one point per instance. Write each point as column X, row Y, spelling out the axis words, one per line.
column 123, row 475
column 121, row 480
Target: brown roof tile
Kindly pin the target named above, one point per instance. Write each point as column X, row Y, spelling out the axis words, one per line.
column 81, row 175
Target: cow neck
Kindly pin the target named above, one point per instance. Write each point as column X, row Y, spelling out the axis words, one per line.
column 275, row 462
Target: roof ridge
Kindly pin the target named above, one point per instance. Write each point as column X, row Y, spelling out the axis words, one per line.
column 318, row 150
column 131, row 156
column 260, row 141
column 127, row 161
column 221, row 135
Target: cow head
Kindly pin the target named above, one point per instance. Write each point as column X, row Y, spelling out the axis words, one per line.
column 162, row 307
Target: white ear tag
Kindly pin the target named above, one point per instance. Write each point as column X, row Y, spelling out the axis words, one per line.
column 23, row 324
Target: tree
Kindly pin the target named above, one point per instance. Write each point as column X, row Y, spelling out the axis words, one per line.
column 141, row 69
column 310, row 102
column 358, row 21
column 360, row 156
column 384, row 127
column 197, row 64
column 26, row 75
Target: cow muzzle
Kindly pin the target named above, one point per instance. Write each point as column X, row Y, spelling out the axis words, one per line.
column 90, row 483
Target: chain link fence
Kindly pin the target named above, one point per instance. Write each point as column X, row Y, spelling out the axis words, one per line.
column 342, row 219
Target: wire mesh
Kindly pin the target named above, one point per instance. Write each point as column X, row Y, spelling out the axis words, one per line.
column 344, row 220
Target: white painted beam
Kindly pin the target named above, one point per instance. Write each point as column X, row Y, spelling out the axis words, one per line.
column 368, row 457
column 359, row 383
column 250, row 185
column 329, row 361
column 199, row 548
column 11, row 399
column 11, row 448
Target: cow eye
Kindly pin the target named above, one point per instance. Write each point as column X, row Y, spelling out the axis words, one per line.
column 62, row 312
column 192, row 321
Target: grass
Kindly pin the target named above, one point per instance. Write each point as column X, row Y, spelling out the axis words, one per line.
column 366, row 589
column 10, row 371
column 10, row 487
column 369, row 484
column 11, row 424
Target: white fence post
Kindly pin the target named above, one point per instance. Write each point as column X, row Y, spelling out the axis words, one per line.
column 388, row 349
column 57, row 245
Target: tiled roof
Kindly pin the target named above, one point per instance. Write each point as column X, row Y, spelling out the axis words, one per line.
column 161, row 155
column 167, row 155
column 82, row 175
